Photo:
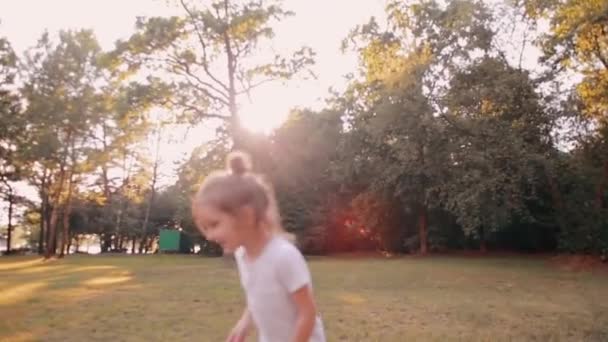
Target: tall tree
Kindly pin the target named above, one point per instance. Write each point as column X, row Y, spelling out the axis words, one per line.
column 210, row 56
column 10, row 132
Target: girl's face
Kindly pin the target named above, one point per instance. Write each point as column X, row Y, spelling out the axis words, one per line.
column 223, row 228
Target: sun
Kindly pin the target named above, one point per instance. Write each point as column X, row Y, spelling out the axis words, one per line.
column 262, row 120
column 267, row 110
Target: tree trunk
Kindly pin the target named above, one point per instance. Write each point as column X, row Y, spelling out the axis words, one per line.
column 104, row 167
column 601, row 188
column 142, row 245
column 11, row 200
column 150, row 243
column 133, row 246
column 51, row 243
column 69, row 245
column 66, row 216
column 423, row 229
column 52, row 238
column 77, row 247
column 152, row 190
column 105, row 242
column 41, row 232
column 43, row 213
column 121, row 201
column 47, row 224
column 236, row 131
column 482, row 240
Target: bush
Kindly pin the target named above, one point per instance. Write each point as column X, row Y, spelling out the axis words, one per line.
column 313, row 241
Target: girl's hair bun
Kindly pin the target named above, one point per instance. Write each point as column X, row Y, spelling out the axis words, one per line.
column 239, row 163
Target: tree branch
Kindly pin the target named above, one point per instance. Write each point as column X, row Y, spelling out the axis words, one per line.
column 201, row 39
column 187, row 73
column 250, row 86
column 228, row 45
column 523, row 46
column 199, row 112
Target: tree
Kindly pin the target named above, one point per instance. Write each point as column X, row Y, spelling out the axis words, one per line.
column 396, row 105
column 501, row 136
column 10, row 132
column 212, row 56
column 577, row 43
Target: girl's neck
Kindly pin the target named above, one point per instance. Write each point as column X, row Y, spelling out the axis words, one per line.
column 255, row 244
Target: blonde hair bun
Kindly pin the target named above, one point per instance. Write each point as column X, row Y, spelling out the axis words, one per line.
column 239, row 163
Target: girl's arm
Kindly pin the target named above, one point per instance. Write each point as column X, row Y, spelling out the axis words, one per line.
column 241, row 329
column 307, row 313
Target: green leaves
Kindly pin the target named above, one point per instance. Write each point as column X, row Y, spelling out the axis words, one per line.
column 11, row 130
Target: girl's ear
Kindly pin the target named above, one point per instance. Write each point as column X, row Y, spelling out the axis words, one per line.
column 246, row 216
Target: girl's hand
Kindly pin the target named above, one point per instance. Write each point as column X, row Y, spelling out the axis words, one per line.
column 241, row 330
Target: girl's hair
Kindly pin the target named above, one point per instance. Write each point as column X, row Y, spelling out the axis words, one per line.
column 231, row 189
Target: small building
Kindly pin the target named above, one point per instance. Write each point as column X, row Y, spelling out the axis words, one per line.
column 174, row 241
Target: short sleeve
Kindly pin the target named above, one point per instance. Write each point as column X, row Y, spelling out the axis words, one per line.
column 293, row 272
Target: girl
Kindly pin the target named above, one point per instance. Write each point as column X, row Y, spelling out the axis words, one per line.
column 237, row 210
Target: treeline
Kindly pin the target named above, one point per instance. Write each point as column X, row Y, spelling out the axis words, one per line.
column 446, row 137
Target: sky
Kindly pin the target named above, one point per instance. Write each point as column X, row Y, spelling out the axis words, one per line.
column 318, row 24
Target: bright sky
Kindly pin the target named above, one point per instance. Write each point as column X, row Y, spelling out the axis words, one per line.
column 319, row 24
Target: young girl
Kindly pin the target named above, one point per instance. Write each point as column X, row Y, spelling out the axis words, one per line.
column 237, row 210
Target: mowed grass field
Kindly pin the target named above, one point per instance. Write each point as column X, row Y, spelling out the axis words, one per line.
column 190, row 298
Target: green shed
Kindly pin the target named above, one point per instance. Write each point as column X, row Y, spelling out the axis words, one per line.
column 174, row 241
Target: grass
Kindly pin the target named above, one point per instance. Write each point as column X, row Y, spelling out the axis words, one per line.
column 183, row 298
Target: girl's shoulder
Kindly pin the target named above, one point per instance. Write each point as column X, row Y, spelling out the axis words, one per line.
column 282, row 247
column 285, row 253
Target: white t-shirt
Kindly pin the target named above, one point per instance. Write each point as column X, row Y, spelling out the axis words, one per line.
column 268, row 282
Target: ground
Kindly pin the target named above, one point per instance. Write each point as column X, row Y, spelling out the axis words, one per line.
column 190, row 298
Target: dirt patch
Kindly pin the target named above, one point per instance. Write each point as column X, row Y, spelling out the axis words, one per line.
column 579, row 263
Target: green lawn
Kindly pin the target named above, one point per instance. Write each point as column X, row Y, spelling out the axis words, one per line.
column 189, row 298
